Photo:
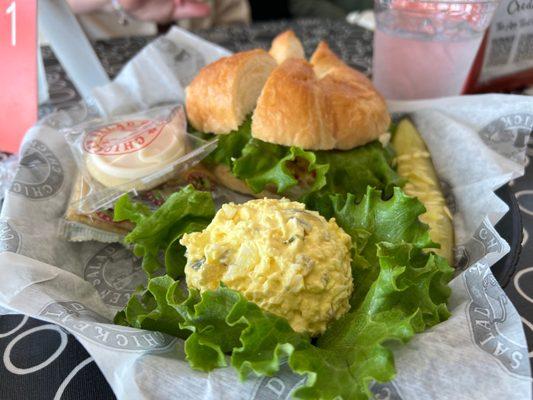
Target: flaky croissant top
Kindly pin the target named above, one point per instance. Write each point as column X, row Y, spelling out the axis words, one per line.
column 320, row 104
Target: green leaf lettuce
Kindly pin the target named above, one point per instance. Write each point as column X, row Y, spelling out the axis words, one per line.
column 400, row 289
column 295, row 172
column 187, row 210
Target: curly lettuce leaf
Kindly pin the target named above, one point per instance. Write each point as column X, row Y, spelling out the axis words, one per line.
column 400, row 289
column 215, row 323
column 408, row 297
column 125, row 209
column 149, row 308
column 407, row 294
column 187, row 210
column 212, row 337
column 370, row 222
column 224, row 322
column 266, row 341
column 352, row 171
column 264, row 164
column 296, row 172
column 261, row 164
column 346, row 372
column 230, row 146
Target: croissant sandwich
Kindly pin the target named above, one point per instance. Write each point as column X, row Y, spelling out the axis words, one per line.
column 281, row 118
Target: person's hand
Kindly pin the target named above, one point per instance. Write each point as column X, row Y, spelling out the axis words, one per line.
column 163, row 11
column 191, row 9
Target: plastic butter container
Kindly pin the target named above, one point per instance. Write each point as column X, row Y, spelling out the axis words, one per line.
column 132, row 153
column 147, row 154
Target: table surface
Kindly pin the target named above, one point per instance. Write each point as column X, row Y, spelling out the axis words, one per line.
column 71, row 373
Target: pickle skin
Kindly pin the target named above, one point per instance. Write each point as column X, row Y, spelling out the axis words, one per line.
column 415, row 165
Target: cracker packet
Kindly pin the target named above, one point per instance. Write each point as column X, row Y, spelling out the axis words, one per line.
column 99, row 225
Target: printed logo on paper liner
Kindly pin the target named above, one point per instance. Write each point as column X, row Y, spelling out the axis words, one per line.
column 39, row 174
column 278, row 387
column 488, row 313
column 508, row 135
column 9, row 238
column 115, row 273
column 77, row 318
column 283, row 385
column 483, row 242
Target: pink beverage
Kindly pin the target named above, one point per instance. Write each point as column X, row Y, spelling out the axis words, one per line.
column 425, row 49
column 441, row 70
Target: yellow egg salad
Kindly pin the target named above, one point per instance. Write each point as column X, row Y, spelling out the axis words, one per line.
column 288, row 260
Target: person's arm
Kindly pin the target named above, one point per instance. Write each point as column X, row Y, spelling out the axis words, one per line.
column 159, row 11
column 87, row 6
column 315, row 8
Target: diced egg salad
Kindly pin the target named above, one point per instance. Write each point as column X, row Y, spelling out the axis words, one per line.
column 288, row 260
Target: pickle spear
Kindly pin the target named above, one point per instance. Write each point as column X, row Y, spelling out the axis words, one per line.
column 415, row 165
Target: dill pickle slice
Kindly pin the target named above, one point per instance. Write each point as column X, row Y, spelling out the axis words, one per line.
column 415, row 165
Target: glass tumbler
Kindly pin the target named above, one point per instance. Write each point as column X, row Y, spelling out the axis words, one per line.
column 425, row 49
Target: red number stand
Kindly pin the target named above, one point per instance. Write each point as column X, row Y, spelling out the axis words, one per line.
column 18, row 71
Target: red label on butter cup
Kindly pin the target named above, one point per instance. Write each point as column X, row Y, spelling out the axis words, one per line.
column 122, row 137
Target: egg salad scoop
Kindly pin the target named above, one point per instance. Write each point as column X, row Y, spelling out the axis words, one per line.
column 288, row 260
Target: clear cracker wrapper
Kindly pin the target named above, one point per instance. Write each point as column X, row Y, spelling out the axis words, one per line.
column 79, row 226
column 99, row 225
column 478, row 353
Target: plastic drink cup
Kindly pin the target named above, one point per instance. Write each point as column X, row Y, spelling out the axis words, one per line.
column 424, row 49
